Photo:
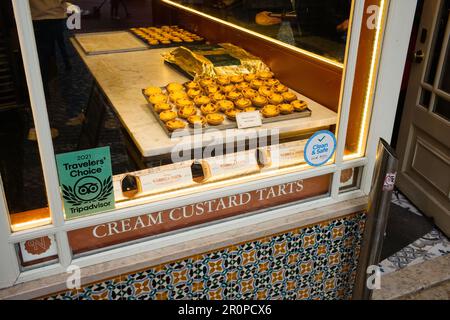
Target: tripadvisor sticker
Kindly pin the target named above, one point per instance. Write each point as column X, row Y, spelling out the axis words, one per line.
column 85, row 178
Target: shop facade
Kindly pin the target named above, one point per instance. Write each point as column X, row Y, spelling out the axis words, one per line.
column 224, row 211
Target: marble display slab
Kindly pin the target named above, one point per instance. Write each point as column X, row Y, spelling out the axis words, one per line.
column 122, row 76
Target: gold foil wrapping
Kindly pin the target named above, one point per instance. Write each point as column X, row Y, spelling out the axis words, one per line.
column 215, row 60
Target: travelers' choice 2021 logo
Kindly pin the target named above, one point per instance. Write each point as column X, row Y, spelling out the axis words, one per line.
column 87, row 189
column 86, row 181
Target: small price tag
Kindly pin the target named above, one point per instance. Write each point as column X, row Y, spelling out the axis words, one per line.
column 249, row 119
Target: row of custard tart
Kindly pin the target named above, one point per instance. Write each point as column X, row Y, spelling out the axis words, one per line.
column 191, row 97
column 165, row 35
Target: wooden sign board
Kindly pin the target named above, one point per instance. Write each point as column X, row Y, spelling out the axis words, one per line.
column 108, row 234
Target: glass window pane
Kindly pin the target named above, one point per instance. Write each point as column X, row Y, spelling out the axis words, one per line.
column 445, row 78
column 316, row 26
column 350, row 179
column 123, row 84
column 425, row 98
column 437, row 43
column 20, row 163
column 442, row 108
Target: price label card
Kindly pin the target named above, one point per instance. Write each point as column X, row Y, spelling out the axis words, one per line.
column 231, row 165
column 249, row 119
column 157, row 180
column 172, row 177
column 286, row 154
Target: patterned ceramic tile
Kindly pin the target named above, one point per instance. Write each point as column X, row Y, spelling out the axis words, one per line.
column 430, row 246
column 316, row 262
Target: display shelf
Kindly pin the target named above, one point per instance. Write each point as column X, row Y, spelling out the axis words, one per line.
column 122, row 76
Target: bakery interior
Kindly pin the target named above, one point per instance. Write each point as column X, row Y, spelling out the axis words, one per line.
column 96, row 77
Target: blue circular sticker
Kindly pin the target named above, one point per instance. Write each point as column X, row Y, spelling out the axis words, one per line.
column 320, row 148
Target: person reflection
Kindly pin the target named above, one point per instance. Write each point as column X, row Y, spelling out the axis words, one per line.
column 49, row 18
column 324, row 18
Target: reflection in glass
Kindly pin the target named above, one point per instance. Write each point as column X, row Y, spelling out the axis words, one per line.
column 442, row 108
column 20, row 163
column 316, row 26
column 437, row 44
column 350, row 179
column 425, row 99
column 445, row 77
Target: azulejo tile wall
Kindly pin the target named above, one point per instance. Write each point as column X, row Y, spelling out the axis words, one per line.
column 314, row 262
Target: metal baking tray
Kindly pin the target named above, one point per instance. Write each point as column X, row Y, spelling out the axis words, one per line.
column 162, row 46
column 227, row 124
column 123, row 42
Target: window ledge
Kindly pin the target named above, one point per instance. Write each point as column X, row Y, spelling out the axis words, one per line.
column 97, row 272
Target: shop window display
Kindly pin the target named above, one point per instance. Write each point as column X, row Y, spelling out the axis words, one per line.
column 204, row 95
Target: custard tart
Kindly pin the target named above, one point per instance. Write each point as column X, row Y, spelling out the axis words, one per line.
column 275, row 98
column 201, row 100
column 249, row 93
column 208, row 108
column 186, row 112
column 264, row 75
column 212, row 89
column 256, row 84
column 174, row 87
column 192, row 85
column 231, row 114
column 176, row 124
column 243, row 103
column 157, row 98
column 243, row 85
column 237, row 79
column 249, row 77
column 234, row 95
column 167, row 115
column 217, row 96
column 272, row 82
column 299, row 105
column 265, row 91
column 225, row 105
column 228, row 88
column 197, row 121
column 192, row 93
column 160, row 107
column 260, row 101
column 152, row 90
column 177, row 96
column 280, row 88
column 181, row 103
column 286, row 108
column 249, row 109
column 214, row 119
column 223, row 80
column 205, row 82
column 270, row 111
column 289, row 96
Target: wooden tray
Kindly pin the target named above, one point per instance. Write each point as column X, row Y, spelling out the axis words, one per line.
column 227, row 124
